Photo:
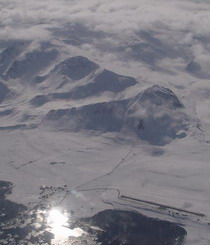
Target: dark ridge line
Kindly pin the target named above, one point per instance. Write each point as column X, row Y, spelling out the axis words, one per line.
column 13, row 127
column 27, row 163
column 121, row 197
column 18, row 126
column 22, row 165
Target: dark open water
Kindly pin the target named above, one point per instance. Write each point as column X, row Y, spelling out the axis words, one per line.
column 114, row 227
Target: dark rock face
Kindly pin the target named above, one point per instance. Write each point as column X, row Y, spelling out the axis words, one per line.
column 159, row 95
column 103, row 117
column 193, row 67
column 4, row 91
column 75, row 68
column 39, row 100
column 130, row 228
column 30, row 65
column 102, row 82
column 10, row 52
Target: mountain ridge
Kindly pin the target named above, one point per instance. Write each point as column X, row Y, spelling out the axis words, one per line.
column 152, row 122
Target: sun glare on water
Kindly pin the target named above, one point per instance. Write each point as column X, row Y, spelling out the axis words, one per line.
column 56, row 218
column 58, row 222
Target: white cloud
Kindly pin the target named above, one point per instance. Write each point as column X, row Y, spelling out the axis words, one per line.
column 115, row 27
column 116, row 17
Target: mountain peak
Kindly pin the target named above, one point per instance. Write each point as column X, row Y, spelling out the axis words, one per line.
column 75, row 67
column 159, row 95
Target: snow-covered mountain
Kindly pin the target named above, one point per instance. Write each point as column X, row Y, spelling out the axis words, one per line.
column 79, row 78
column 75, row 68
column 105, row 105
column 155, row 115
column 26, row 65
